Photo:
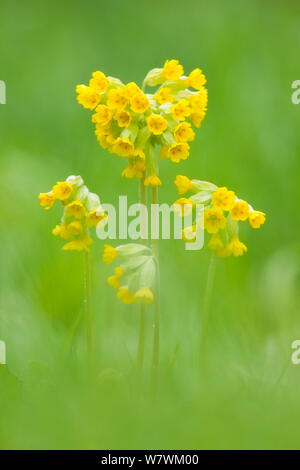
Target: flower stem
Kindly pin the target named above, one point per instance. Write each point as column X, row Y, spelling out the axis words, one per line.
column 206, row 309
column 155, row 356
column 87, row 294
column 142, row 328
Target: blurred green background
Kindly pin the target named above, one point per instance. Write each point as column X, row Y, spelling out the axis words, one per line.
column 249, row 141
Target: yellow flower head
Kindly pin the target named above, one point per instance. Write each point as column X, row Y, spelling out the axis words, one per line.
column 181, row 110
column 163, row 96
column 197, row 118
column 123, row 147
column 144, row 295
column 75, row 209
column 184, row 206
column 62, row 231
column 109, row 254
column 256, row 219
column 183, row 184
column 131, row 89
column 99, row 82
column 81, row 244
column 172, row 70
column 105, row 138
column 179, row 151
column 47, row 200
column 196, row 79
column 62, row 190
column 157, row 124
column 152, row 180
column 87, row 97
column 239, row 210
column 184, row 133
column 198, row 102
column 236, row 247
column 126, row 295
column 94, row 217
column 139, row 102
column 75, row 228
column 103, row 115
column 117, row 99
column 214, row 220
column 123, row 118
column 223, row 199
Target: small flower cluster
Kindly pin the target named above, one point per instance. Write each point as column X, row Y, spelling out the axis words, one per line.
column 131, row 123
column 134, row 277
column 82, row 210
column 223, row 210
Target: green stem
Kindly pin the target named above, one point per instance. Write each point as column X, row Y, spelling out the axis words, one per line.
column 206, row 309
column 87, row 293
column 142, row 328
column 155, row 356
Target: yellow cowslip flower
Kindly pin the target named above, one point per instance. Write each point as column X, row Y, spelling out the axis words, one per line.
column 123, row 118
column 75, row 228
column 99, row 82
column 139, row 103
column 197, row 118
column 62, row 231
column 256, row 219
column 236, row 247
column 215, row 243
column 105, row 138
column 189, row 233
column 116, row 99
column 181, row 110
column 214, row 220
column 164, row 95
column 157, row 124
column 144, row 295
column 47, row 200
column 196, row 79
column 239, row 210
column 126, row 295
column 81, row 244
column 172, row 70
column 136, row 168
column 87, row 97
column 115, row 280
column 94, row 217
column 178, row 151
column 198, row 101
column 130, row 90
column 62, row 190
column 183, row 184
column 184, row 133
column 152, row 180
column 109, row 254
column 184, row 206
column 223, row 199
column 123, row 147
column 138, row 152
column 75, row 209
column 103, row 115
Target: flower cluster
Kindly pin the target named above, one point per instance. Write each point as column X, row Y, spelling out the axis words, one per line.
column 223, row 210
column 131, row 123
column 133, row 279
column 82, row 210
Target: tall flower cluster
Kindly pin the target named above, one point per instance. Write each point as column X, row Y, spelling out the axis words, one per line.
column 134, row 277
column 131, row 123
column 81, row 211
column 223, row 211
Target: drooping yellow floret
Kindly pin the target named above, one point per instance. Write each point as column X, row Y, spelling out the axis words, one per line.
column 117, row 99
column 172, row 70
column 196, row 79
column 87, row 97
column 256, row 218
column 139, row 102
column 62, row 231
column 47, row 200
column 123, row 118
column 75, row 209
column 157, row 124
column 123, row 147
column 214, row 220
column 183, row 184
column 181, row 110
column 223, row 199
column 239, row 210
column 126, row 295
column 109, row 254
column 99, row 82
column 144, row 295
column 75, row 228
column 184, row 132
column 94, row 217
column 103, row 115
column 236, row 247
column 62, row 190
column 184, row 206
column 152, row 180
column 178, row 151
column 81, row 244
column 164, row 95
